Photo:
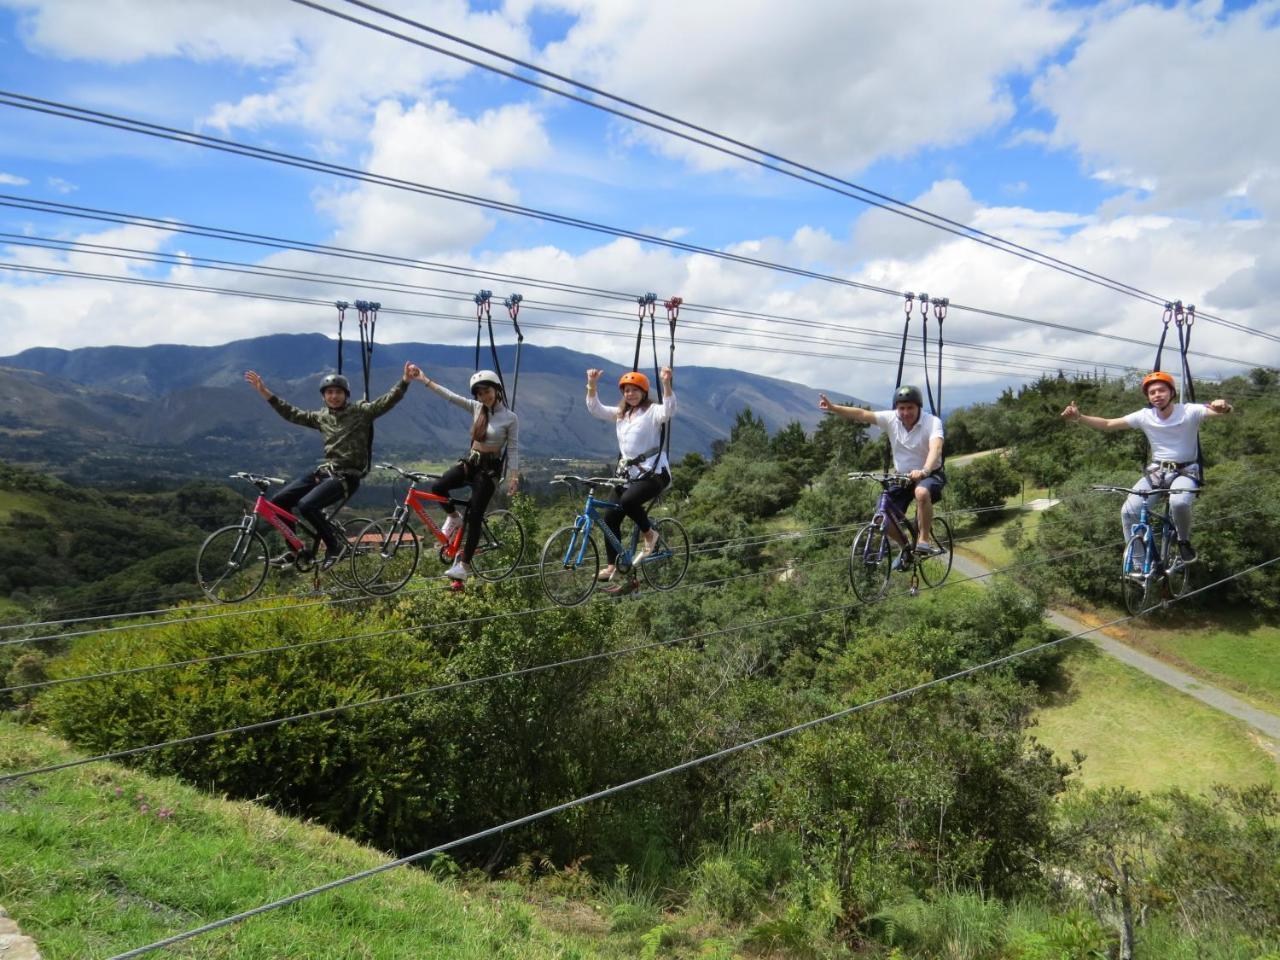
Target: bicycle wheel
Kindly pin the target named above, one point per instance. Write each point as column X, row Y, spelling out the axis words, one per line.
column 386, row 556
column 232, row 564
column 344, row 573
column 669, row 562
column 1135, row 584
column 1177, row 576
column 934, row 570
column 501, row 546
column 570, row 564
column 869, row 561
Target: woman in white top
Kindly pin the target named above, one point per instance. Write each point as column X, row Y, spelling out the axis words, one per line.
column 1173, row 430
column 493, row 427
column 639, row 423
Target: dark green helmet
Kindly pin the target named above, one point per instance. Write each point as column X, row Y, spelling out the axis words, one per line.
column 908, row 394
column 335, row 380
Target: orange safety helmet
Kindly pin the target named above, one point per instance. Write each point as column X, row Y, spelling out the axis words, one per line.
column 636, row 379
column 1158, row 376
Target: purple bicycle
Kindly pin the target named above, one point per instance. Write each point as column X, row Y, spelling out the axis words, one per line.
column 871, row 561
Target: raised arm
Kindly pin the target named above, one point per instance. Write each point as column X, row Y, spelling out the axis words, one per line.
column 303, row 418
column 1217, row 408
column 1105, row 424
column 393, row 396
column 443, row 391
column 856, row 414
column 594, row 406
column 667, row 408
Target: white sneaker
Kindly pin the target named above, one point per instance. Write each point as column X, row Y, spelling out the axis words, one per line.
column 451, row 525
column 459, row 571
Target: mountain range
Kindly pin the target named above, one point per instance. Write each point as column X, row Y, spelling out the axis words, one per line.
column 186, row 411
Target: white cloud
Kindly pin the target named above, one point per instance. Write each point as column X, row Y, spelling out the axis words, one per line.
column 13, row 180
column 879, row 233
column 430, row 142
column 58, row 185
column 838, row 86
column 1174, row 99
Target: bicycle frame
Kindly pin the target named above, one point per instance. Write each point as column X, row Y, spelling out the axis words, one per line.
column 1149, row 524
column 886, row 509
column 583, row 524
column 414, row 500
column 279, row 518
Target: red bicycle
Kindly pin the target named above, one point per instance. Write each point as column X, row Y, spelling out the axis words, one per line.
column 234, row 561
column 389, row 550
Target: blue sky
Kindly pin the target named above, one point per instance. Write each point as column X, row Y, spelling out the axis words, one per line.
column 1069, row 128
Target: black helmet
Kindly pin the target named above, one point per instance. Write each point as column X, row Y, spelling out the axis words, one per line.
column 335, row 380
column 908, row 394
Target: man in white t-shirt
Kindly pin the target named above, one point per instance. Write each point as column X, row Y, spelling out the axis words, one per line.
column 916, row 440
column 1173, row 430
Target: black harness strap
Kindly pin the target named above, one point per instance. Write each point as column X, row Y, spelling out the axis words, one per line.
column 940, row 314
column 906, row 331
column 1168, row 316
column 673, row 315
column 924, row 350
column 644, row 308
column 342, row 313
column 512, row 303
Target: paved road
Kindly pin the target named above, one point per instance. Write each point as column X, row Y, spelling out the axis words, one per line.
column 1267, row 724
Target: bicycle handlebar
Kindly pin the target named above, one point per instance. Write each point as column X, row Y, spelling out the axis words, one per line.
column 570, row 479
column 885, row 480
column 255, row 478
column 407, row 474
column 1157, row 492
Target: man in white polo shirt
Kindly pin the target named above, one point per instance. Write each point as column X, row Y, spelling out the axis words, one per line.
column 1173, row 430
column 916, row 440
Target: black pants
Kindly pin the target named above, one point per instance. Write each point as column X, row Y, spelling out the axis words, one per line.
column 308, row 495
column 483, row 482
column 631, row 504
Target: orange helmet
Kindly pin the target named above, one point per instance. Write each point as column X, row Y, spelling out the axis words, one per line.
column 1158, row 376
column 636, row 379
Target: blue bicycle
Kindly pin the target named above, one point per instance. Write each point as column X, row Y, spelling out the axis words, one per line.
column 1151, row 569
column 570, row 565
column 870, row 559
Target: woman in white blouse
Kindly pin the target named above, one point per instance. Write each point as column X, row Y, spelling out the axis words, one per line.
column 493, row 427
column 643, row 462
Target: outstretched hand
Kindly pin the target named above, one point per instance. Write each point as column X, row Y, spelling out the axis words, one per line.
column 411, row 371
column 593, row 376
column 1072, row 412
column 824, row 404
column 665, row 374
column 256, row 382
column 1221, row 406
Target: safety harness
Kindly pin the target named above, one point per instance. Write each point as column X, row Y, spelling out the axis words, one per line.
column 484, row 318
column 939, row 307
column 647, row 310
column 1183, row 319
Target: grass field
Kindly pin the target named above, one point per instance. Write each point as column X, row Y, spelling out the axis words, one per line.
column 987, row 545
column 11, row 500
column 1139, row 733
column 97, row 860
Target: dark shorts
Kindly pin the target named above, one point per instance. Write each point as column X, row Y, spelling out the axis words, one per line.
column 902, row 497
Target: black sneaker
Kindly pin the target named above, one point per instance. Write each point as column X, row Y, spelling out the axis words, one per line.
column 333, row 557
column 1186, row 552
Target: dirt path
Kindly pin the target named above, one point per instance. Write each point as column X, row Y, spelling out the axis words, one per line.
column 13, row 945
column 1261, row 721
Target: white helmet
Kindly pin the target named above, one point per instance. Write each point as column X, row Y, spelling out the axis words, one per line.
column 485, row 376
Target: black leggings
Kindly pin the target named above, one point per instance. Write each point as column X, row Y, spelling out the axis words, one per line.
column 482, row 483
column 631, row 504
column 309, row 494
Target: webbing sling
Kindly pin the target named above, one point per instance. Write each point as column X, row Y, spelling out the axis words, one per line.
column 341, row 306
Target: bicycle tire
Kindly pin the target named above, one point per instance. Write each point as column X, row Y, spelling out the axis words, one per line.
column 343, row 573
column 935, row 570
column 670, row 560
column 1135, row 583
column 869, row 563
column 501, row 546
column 565, row 581
column 1177, row 575
column 232, row 564
column 389, row 560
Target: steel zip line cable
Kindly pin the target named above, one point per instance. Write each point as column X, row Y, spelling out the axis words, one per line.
column 828, row 181
column 455, row 318
column 647, row 778
column 273, row 242
column 130, row 125
column 957, row 360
